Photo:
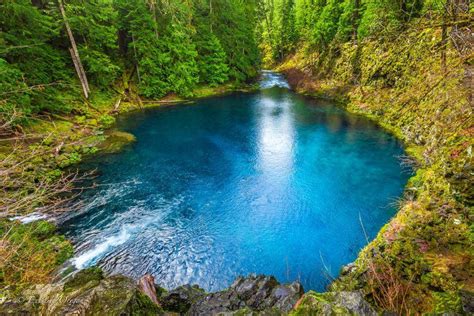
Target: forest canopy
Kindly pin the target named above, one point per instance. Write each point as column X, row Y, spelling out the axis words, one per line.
column 289, row 24
column 52, row 52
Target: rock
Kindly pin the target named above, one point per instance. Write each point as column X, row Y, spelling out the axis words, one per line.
column 146, row 284
column 354, row 302
column 335, row 303
column 348, row 269
column 111, row 296
column 287, row 296
column 263, row 294
column 116, row 141
column 467, row 299
column 180, row 299
column 87, row 293
column 219, row 302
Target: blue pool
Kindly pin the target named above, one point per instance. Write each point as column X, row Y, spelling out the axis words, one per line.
column 268, row 182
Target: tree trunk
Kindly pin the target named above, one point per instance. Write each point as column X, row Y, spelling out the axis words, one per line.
column 152, row 6
column 210, row 14
column 76, row 59
column 146, row 284
column 136, row 59
column 355, row 18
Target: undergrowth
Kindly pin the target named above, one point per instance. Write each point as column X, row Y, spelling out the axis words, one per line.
column 422, row 260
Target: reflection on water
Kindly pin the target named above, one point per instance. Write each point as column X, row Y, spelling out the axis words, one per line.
column 269, row 182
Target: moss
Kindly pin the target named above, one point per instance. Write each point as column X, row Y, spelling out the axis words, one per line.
column 115, row 141
column 90, row 277
column 428, row 245
column 142, row 305
column 30, row 252
column 313, row 303
column 446, row 302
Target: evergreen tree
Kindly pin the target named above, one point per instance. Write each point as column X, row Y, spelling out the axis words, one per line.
column 234, row 24
column 212, row 59
column 148, row 53
column 95, row 27
column 349, row 20
column 28, row 33
column 286, row 32
column 182, row 71
column 385, row 17
column 327, row 24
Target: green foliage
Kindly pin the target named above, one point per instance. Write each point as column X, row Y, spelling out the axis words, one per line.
column 380, row 17
column 68, row 159
column 90, row 277
column 211, row 59
column 25, row 44
column 318, row 23
column 106, row 120
column 30, row 252
column 14, row 92
column 348, row 21
column 153, row 46
column 183, row 75
column 94, row 26
column 327, row 24
column 446, row 303
column 234, row 22
column 144, row 47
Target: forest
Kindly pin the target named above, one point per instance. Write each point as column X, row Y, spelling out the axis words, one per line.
column 68, row 67
column 54, row 52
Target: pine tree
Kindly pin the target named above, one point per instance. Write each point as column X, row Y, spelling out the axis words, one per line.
column 94, row 24
column 28, row 32
column 182, row 72
column 143, row 47
column 327, row 24
column 211, row 59
column 234, row 24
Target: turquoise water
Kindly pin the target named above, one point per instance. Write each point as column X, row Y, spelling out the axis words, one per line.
column 269, row 182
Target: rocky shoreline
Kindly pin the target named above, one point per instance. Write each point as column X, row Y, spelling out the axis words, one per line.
column 90, row 292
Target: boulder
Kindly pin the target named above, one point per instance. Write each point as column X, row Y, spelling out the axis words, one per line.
column 86, row 293
column 335, row 303
column 180, row 299
column 263, row 294
column 354, row 302
column 115, row 141
column 467, row 300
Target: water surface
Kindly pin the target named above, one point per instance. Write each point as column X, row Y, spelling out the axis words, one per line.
column 269, row 182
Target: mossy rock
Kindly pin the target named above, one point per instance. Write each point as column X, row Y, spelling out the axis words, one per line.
column 87, row 293
column 91, row 277
column 333, row 303
column 115, row 141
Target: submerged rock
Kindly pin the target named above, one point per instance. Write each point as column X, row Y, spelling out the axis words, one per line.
column 116, row 141
column 252, row 294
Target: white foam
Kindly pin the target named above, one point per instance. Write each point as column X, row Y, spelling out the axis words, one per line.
column 33, row 217
column 272, row 79
column 84, row 259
